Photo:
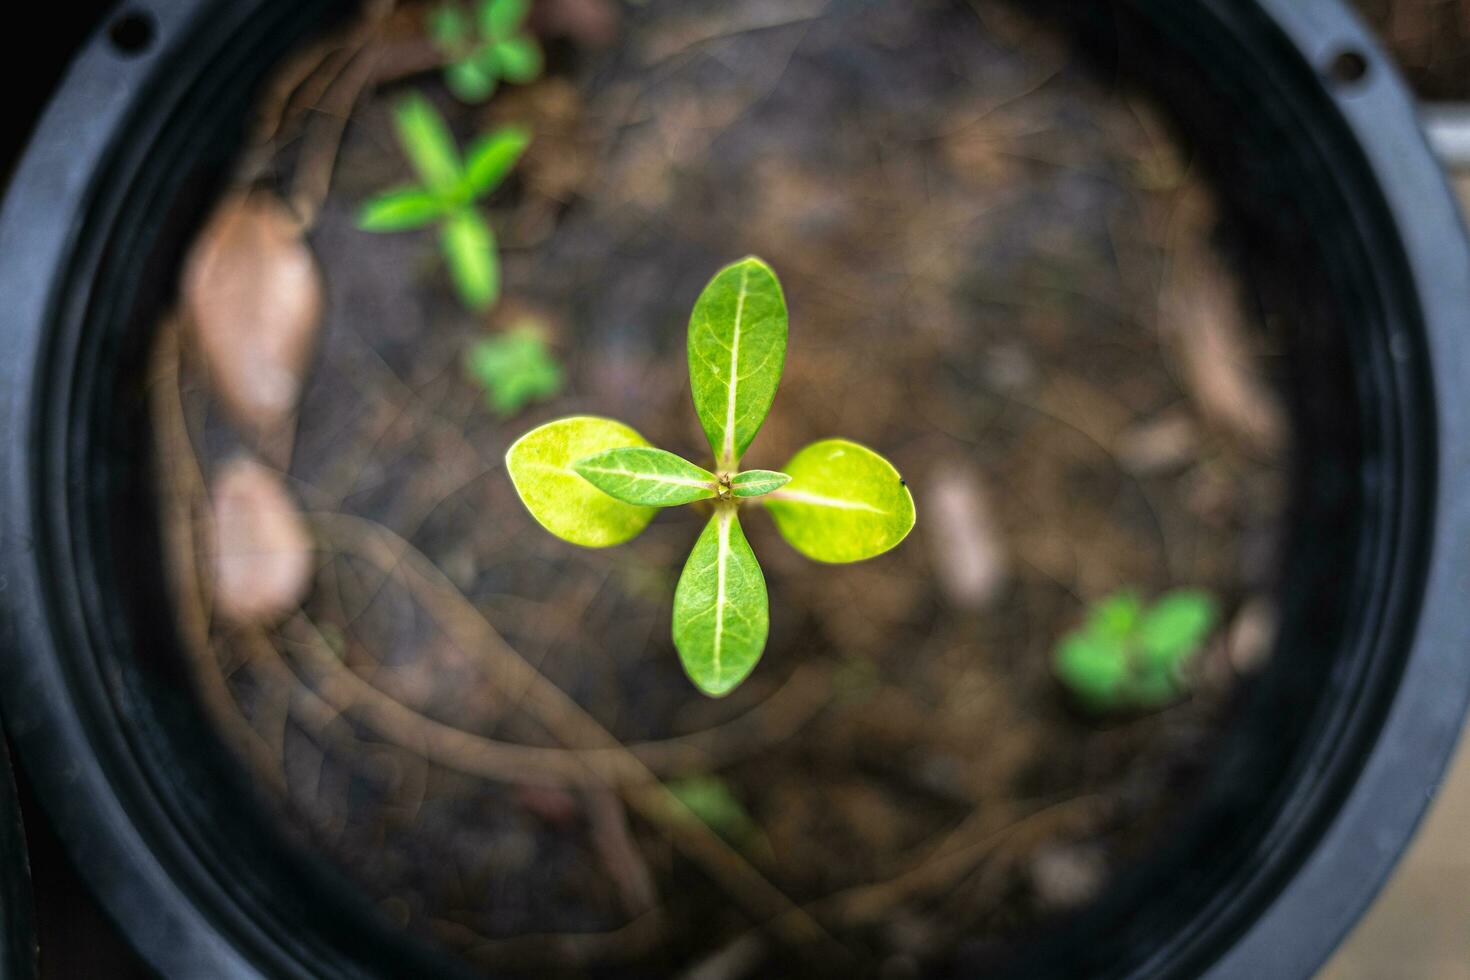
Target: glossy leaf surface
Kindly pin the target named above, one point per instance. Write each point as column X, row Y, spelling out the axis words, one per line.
column 721, row 616
column 647, row 477
column 540, row 466
column 737, row 349
column 844, row 503
column 754, row 483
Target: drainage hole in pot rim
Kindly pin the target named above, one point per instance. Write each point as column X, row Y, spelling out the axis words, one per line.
column 1347, row 67
column 132, row 32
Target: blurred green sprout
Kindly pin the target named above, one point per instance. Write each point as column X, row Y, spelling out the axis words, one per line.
column 1132, row 657
column 484, row 47
column 515, row 368
column 712, row 802
column 446, row 195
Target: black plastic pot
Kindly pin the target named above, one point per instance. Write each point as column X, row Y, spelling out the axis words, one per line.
column 1319, row 786
column 17, row 919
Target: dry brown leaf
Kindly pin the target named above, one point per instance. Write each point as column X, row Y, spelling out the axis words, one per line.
column 1251, row 635
column 964, row 540
column 1067, row 875
column 1199, row 307
column 253, row 294
column 1158, row 444
column 262, row 547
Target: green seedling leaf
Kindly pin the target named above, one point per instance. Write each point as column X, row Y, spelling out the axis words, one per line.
column 647, row 477
column 514, row 368
column 737, row 348
column 837, row 501
column 497, row 48
column 399, row 210
column 754, row 483
column 720, row 613
column 1094, row 668
column 427, row 142
column 501, row 18
column 540, row 466
column 844, row 503
column 492, row 157
column 1128, row 656
column 1116, row 616
column 518, row 58
column 1149, row 689
column 710, row 800
column 448, row 27
column 469, row 247
column 470, row 80
column 1175, row 627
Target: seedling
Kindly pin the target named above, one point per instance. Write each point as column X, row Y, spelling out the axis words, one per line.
column 596, row 482
column 1127, row 657
column 711, row 801
column 447, row 195
column 514, row 368
column 485, row 49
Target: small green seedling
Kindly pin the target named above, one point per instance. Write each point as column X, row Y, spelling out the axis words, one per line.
column 515, row 368
column 596, row 482
column 711, row 801
column 1127, row 657
column 447, row 196
column 486, row 48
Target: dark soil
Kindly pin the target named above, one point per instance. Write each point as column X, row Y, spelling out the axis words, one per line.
column 974, row 234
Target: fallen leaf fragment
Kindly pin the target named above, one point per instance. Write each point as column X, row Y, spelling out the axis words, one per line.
column 1202, row 314
column 262, row 546
column 1158, row 445
column 1251, row 636
column 966, row 545
column 253, row 294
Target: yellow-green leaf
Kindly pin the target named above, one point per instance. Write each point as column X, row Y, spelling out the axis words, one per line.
column 427, row 142
column 540, row 466
column 514, row 368
column 500, row 18
column 448, row 26
column 844, row 503
column 737, row 348
column 399, row 209
column 709, row 799
column 1175, row 626
column 470, row 80
column 648, row 477
column 492, row 156
column 754, row 483
column 519, row 59
column 469, row 247
column 721, row 616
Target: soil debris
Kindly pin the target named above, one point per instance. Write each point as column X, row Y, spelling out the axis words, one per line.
column 262, row 547
column 968, row 551
column 253, row 295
